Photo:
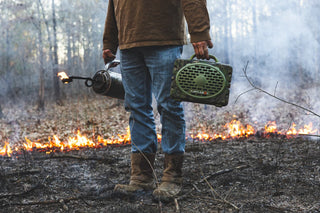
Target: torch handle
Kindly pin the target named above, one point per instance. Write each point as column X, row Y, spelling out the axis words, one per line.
column 88, row 81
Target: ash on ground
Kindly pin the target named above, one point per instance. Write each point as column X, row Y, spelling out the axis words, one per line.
column 250, row 175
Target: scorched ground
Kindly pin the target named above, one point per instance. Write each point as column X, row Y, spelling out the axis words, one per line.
column 253, row 174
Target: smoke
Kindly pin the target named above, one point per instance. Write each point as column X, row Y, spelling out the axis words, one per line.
column 285, row 45
column 283, row 52
column 282, row 56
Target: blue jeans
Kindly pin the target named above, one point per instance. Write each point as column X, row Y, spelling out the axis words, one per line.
column 146, row 71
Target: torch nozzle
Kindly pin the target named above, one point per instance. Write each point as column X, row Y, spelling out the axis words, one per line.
column 67, row 79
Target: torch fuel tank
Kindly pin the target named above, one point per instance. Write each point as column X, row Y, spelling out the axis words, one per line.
column 108, row 83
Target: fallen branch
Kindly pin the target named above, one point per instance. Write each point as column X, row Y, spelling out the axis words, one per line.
column 309, row 135
column 278, row 209
column 111, row 160
column 211, row 176
column 45, row 202
column 217, row 194
column 59, row 200
column 78, row 157
column 21, row 193
column 176, row 205
column 20, row 173
column 229, row 192
column 223, row 172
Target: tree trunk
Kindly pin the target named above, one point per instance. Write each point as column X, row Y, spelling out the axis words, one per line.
column 55, row 57
column 231, row 51
column 226, row 33
column 69, row 59
column 255, row 28
column 48, row 32
column 1, row 114
column 8, row 66
column 254, row 40
column 41, row 68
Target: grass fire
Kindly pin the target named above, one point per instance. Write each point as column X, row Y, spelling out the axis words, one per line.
column 84, row 91
column 80, row 154
column 233, row 129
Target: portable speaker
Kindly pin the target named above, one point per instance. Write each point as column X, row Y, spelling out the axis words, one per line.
column 201, row 81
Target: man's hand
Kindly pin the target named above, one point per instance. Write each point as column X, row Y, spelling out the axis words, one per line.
column 107, row 56
column 201, row 49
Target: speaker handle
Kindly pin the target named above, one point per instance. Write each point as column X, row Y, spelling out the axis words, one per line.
column 211, row 56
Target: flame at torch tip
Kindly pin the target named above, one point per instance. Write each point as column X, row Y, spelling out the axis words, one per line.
column 62, row 75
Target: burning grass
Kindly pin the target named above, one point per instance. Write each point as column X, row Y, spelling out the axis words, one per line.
column 234, row 129
column 76, row 171
column 265, row 175
column 231, row 130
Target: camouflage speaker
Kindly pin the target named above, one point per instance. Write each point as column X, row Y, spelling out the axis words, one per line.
column 200, row 81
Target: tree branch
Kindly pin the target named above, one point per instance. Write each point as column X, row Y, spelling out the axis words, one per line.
column 280, row 99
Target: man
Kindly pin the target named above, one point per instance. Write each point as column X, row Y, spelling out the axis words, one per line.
column 150, row 35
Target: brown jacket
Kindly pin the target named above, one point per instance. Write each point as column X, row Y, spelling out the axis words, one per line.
column 136, row 23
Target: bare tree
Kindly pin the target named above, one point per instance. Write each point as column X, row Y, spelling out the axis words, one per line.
column 41, row 68
column 226, row 31
column 55, row 70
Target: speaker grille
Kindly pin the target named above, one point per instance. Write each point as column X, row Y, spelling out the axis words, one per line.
column 201, row 80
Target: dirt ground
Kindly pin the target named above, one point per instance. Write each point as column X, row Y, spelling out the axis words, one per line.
column 237, row 175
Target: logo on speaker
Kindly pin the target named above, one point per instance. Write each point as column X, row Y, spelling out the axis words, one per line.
column 199, row 92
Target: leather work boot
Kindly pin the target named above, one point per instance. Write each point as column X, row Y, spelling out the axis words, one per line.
column 141, row 174
column 171, row 182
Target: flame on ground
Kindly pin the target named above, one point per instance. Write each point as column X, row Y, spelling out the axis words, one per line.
column 6, row 150
column 234, row 129
column 271, row 127
column 306, row 130
column 75, row 143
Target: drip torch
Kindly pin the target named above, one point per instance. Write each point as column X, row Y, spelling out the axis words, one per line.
column 104, row 82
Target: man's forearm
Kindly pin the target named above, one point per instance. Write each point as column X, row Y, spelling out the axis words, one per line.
column 198, row 20
column 110, row 35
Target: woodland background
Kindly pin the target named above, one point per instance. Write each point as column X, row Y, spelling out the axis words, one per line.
column 41, row 37
column 279, row 39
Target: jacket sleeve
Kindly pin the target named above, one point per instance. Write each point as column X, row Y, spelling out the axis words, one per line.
column 110, row 35
column 198, row 20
